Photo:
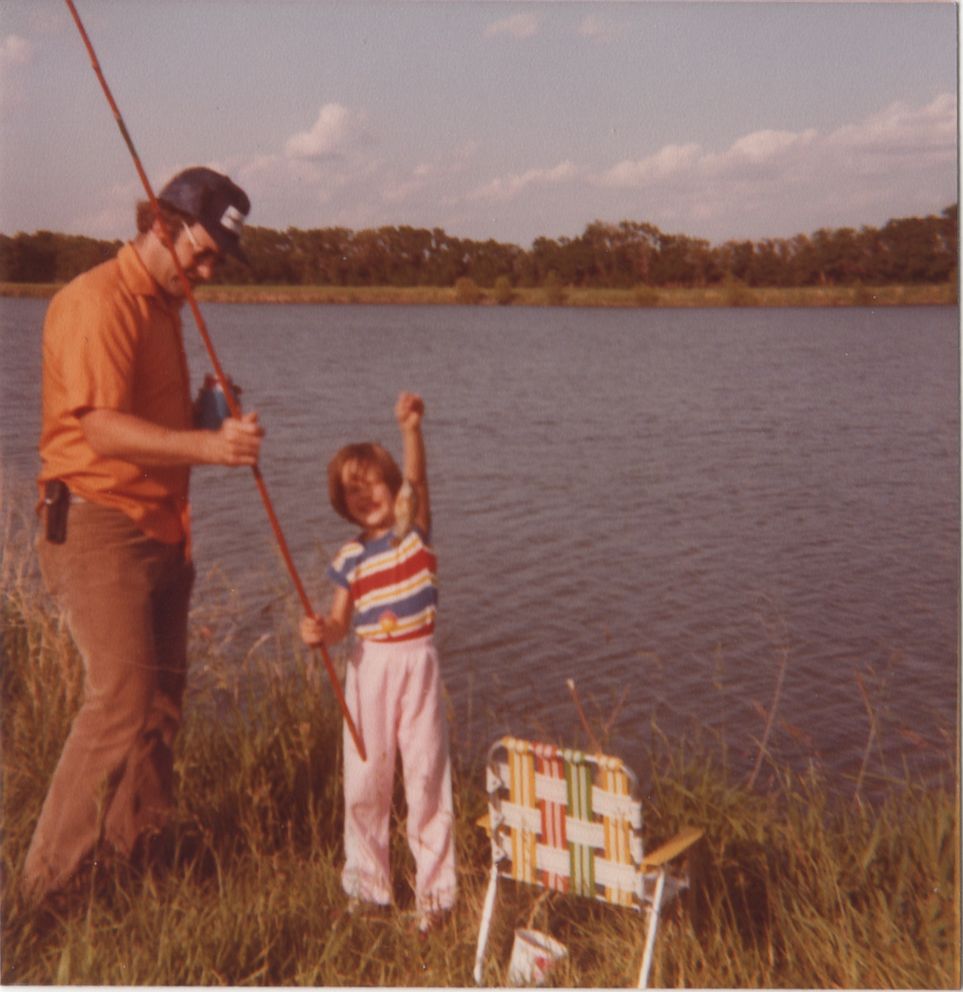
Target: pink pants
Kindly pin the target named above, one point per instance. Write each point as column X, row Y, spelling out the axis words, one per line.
column 394, row 693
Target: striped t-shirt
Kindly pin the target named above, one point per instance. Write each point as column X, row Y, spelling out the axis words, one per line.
column 393, row 589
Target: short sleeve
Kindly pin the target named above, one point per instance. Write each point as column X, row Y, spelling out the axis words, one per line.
column 342, row 568
column 338, row 577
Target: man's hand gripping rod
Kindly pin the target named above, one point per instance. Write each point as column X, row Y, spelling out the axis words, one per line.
column 219, row 374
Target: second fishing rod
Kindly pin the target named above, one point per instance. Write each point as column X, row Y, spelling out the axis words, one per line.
column 222, row 379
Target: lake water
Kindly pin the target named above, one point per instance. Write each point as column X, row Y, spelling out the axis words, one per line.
column 661, row 505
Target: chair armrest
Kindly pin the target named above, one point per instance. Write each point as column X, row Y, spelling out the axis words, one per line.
column 682, row 841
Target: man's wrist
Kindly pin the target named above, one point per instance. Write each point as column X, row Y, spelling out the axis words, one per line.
column 203, row 447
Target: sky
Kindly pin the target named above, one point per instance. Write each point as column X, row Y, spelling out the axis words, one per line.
column 496, row 119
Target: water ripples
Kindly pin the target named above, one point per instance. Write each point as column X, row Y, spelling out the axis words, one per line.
column 659, row 505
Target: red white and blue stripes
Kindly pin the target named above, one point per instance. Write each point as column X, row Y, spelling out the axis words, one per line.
column 393, row 588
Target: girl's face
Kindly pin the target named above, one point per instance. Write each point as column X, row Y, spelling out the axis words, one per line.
column 368, row 498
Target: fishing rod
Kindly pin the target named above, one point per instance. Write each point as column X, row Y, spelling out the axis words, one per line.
column 232, row 404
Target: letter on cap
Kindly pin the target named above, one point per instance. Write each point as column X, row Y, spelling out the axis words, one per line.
column 233, row 219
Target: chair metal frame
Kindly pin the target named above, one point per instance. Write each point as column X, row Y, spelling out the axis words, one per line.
column 570, row 821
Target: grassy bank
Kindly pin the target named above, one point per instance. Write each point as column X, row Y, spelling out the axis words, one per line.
column 792, row 888
column 731, row 295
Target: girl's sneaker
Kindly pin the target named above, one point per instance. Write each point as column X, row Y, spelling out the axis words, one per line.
column 429, row 920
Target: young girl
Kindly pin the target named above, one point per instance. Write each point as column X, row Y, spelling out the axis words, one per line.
column 386, row 592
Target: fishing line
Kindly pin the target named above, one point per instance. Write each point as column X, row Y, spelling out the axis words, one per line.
column 218, row 373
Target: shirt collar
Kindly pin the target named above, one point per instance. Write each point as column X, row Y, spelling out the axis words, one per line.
column 138, row 280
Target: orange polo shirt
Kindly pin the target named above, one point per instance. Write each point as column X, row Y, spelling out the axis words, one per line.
column 112, row 340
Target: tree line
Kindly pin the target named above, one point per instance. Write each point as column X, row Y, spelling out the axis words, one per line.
column 909, row 250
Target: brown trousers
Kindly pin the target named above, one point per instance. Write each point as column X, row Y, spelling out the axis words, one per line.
column 125, row 597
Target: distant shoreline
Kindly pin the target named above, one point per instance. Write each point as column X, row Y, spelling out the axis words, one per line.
column 641, row 297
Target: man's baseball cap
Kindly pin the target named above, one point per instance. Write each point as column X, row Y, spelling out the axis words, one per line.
column 215, row 202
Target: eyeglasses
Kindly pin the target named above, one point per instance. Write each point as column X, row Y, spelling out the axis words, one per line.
column 202, row 256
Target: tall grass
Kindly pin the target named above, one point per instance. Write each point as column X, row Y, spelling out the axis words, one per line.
column 791, row 887
column 730, row 294
column 727, row 294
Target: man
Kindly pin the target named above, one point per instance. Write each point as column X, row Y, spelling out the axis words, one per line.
column 117, row 444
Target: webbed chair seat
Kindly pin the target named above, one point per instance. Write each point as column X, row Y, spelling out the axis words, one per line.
column 571, row 822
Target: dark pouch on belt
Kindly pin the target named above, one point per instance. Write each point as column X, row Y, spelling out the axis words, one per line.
column 56, row 501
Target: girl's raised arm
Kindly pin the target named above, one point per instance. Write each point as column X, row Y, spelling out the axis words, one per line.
column 409, row 411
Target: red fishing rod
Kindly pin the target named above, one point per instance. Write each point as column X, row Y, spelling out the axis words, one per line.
column 218, row 372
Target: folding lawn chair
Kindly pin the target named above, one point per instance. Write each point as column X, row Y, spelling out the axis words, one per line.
column 572, row 822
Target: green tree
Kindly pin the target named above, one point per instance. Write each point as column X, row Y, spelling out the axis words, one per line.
column 645, row 296
column 466, row 290
column 32, row 258
column 504, row 294
column 554, row 290
column 917, row 249
column 627, row 254
column 737, row 293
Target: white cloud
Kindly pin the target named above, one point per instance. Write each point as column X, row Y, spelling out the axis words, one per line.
column 926, row 132
column 267, row 170
column 902, row 159
column 900, row 128
column 433, row 177
column 334, row 131
column 15, row 52
column 403, row 189
column 504, row 188
column 761, row 147
column 668, row 161
column 518, row 26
